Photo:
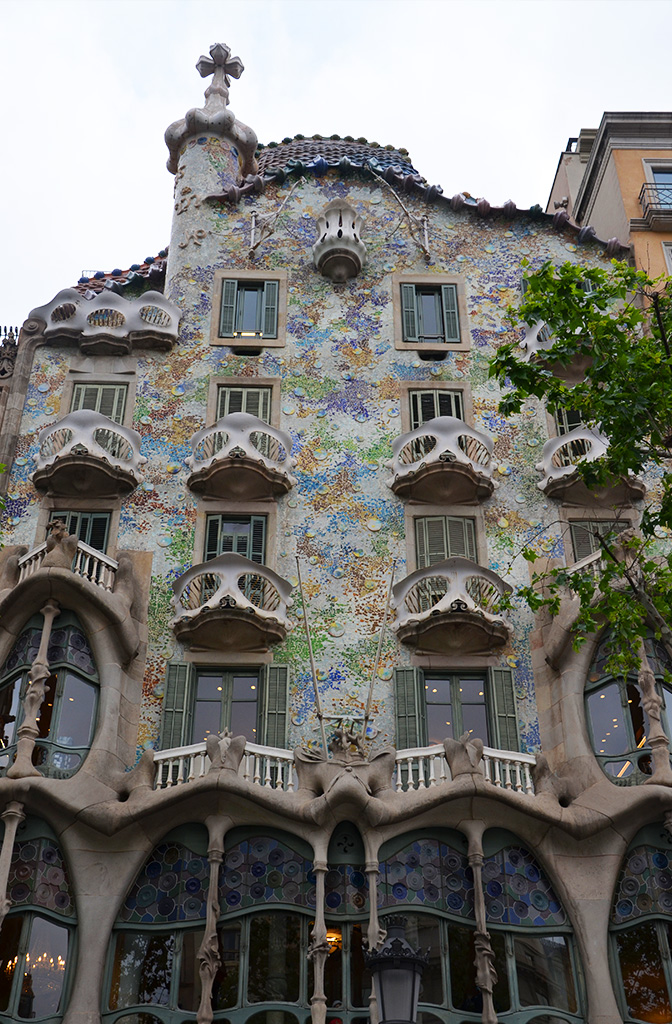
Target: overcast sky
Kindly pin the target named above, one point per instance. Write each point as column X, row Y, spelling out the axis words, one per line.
column 483, row 94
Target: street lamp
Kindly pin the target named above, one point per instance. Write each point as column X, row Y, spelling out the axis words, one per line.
column 396, row 969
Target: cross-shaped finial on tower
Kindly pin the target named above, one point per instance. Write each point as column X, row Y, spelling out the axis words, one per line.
column 221, row 65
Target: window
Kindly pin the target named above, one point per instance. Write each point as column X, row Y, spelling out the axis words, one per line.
column 67, row 715
column 430, row 314
column 427, row 405
column 249, row 309
column 92, row 528
column 617, row 719
column 441, row 537
column 432, row 706
column 243, row 535
column 107, row 399
column 248, row 701
column 662, row 178
column 585, row 532
column 255, row 401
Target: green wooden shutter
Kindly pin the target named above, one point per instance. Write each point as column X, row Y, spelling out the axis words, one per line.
column 461, row 537
column 450, row 404
column 272, row 720
column 99, row 525
column 227, row 317
column 257, row 548
column 451, row 319
column 270, row 311
column 177, row 700
column 409, row 312
column 504, row 714
column 409, row 708
column 212, row 537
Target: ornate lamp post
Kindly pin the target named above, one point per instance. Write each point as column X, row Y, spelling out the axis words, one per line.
column 396, row 969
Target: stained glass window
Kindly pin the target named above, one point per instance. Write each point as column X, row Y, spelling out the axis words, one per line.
column 265, row 870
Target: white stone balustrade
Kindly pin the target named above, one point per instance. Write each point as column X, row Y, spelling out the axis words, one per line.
column 437, row 454
column 83, row 440
column 90, row 564
column 250, row 597
column 251, row 456
column 416, row 768
column 454, row 604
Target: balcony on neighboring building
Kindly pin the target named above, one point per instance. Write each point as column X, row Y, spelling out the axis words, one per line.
column 87, row 454
column 242, row 458
column 450, row 607
column 231, row 603
column 561, row 479
column 656, row 203
column 443, row 460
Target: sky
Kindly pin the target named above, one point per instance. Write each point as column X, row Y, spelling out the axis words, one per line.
column 483, row 94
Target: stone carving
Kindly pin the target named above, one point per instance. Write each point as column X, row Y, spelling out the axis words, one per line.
column 348, row 777
column 564, row 790
column 8, row 351
column 339, row 252
column 486, row 975
column 12, row 816
column 61, row 547
column 241, row 456
column 225, row 750
column 464, row 755
column 442, row 459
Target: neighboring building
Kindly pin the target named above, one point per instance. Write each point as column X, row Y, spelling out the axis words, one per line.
column 618, row 179
column 305, row 373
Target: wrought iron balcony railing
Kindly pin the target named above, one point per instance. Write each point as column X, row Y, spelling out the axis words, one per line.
column 443, row 459
column 656, row 203
column 87, row 452
column 243, row 456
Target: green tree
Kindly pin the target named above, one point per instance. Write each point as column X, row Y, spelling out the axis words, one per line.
column 617, row 324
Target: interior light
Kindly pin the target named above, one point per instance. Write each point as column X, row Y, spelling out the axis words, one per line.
column 602, row 696
column 219, row 688
column 434, row 690
column 480, row 693
column 71, row 698
column 253, row 687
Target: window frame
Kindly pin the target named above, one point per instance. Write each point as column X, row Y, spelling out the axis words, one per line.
column 121, row 388
column 66, row 515
column 414, row 511
column 272, row 383
column 125, row 376
column 410, row 386
column 227, row 675
column 434, row 281
column 241, row 510
column 31, row 913
column 260, row 277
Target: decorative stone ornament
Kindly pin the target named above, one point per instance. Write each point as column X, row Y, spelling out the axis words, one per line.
column 339, row 252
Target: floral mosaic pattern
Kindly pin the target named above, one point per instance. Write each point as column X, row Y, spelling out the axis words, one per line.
column 517, row 892
column 38, row 877
column 430, row 874
column 173, row 886
column 645, row 885
column 346, row 890
column 265, row 871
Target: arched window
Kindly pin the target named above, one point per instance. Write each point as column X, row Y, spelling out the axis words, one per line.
column 68, row 713
column 617, row 720
column 642, row 928
column 36, row 938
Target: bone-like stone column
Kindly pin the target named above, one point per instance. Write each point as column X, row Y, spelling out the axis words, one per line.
column 12, row 816
column 318, row 951
column 376, row 934
column 39, row 673
column 209, row 960
column 658, row 741
column 484, row 962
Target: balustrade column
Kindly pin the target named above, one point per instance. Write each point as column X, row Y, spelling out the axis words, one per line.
column 208, row 956
column 12, row 816
column 28, row 731
column 484, row 961
column 319, row 950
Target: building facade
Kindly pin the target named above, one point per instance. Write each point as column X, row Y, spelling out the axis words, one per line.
column 260, row 688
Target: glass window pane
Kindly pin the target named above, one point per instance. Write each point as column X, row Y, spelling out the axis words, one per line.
column 244, row 719
column 475, row 721
column 423, row 933
column 44, row 970
column 544, row 971
column 642, row 972
column 638, row 716
column 465, row 994
column 429, row 310
column 9, row 709
column 472, row 691
column 189, row 993
column 207, row 719
column 500, row 993
column 225, row 985
column 275, row 957
column 360, row 978
column 248, row 308
column 333, row 968
column 142, row 969
column 9, row 954
column 245, row 687
column 75, row 721
column 209, row 687
column 439, row 722
column 607, row 722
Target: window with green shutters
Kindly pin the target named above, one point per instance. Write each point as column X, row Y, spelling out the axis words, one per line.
column 249, row 309
column 199, row 701
column 107, row 399
column 431, row 706
column 441, row 537
column 91, row 527
column 585, row 534
column 243, row 535
column 427, row 405
column 255, row 401
column 430, row 314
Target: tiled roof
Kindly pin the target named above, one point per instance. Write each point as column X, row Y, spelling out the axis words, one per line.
column 359, row 152
column 151, row 273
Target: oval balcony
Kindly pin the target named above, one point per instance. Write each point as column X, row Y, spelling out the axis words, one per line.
column 231, row 603
column 452, row 606
column 538, row 339
column 86, row 453
column 444, row 460
column 240, row 457
column 561, row 479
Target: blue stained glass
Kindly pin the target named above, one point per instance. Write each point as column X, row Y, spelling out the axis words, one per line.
column 38, row 876
column 172, row 879
column 527, row 897
column 643, row 886
column 266, row 870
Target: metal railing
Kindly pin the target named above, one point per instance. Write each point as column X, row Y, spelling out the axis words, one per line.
column 655, row 198
column 88, row 563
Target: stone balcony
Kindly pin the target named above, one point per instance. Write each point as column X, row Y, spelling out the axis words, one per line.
column 452, row 606
column 86, row 453
column 231, row 603
column 242, row 458
column 444, row 460
column 538, row 339
column 561, row 479
column 88, row 564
